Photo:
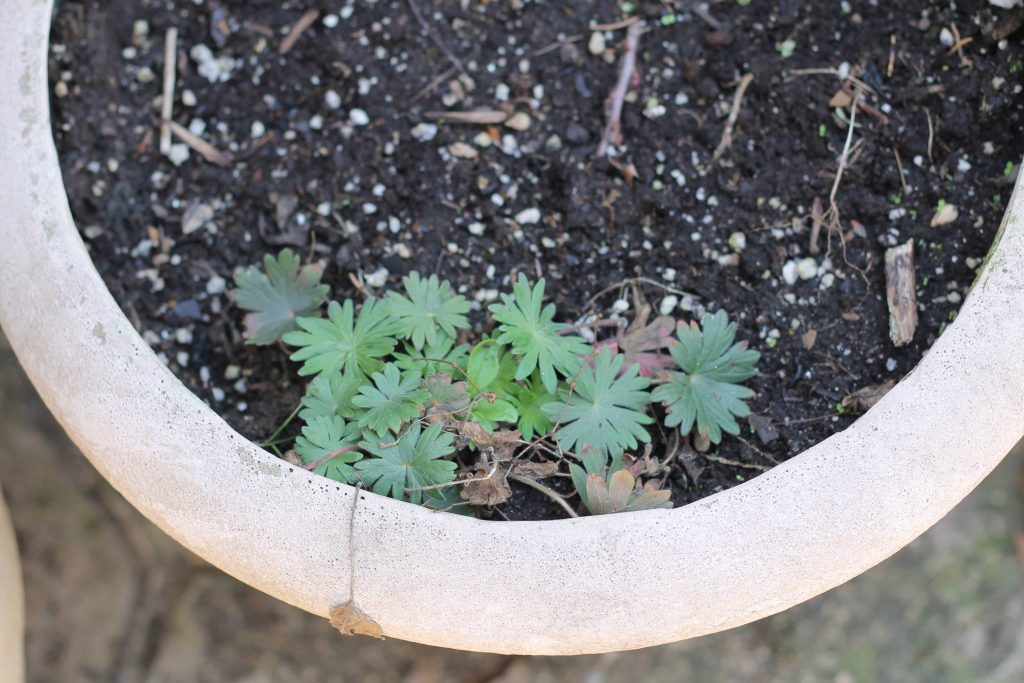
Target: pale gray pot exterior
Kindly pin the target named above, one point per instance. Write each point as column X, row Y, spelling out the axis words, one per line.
column 565, row 587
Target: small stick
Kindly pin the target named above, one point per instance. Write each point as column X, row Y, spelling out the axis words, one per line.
column 304, row 22
column 546, row 491
column 931, row 133
column 446, row 484
column 900, row 294
column 204, row 148
column 615, row 24
column 704, row 14
column 736, row 463
column 613, row 107
column 844, row 158
column 734, row 112
column 899, row 165
column 862, row 103
column 332, row 454
column 170, row 74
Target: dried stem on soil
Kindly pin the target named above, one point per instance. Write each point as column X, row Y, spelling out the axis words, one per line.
column 613, row 106
column 737, row 101
column 304, row 22
column 170, row 74
column 553, row 495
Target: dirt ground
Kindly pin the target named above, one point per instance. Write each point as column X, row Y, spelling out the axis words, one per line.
column 111, row 599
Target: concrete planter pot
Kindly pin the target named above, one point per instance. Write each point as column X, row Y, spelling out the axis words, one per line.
column 575, row 586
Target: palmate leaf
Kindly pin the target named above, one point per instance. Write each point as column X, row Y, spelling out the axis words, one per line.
column 527, row 325
column 430, row 307
column 325, row 435
column 390, row 401
column 275, row 299
column 414, row 460
column 529, row 400
column 606, row 412
column 707, row 392
column 331, row 394
column 344, row 342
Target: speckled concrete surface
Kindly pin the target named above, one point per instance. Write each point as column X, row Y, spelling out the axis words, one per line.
column 110, row 598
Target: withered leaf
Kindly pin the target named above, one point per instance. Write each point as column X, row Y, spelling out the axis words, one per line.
column 503, row 442
column 350, row 620
column 535, row 470
column 862, row 399
column 446, row 397
column 484, row 490
column 641, row 344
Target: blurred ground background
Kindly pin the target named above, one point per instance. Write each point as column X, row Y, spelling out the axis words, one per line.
column 111, row 599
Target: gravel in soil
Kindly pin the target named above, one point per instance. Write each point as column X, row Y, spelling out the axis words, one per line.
column 330, row 150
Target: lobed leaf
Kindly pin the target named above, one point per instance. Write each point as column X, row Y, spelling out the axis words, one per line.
column 430, row 309
column 527, row 325
column 413, row 461
column 277, row 298
column 344, row 342
column 606, row 412
column 390, row 401
column 325, row 435
column 707, row 393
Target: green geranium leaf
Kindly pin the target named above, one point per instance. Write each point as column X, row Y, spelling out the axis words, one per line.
column 527, row 325
column 707, row 392
column 344, row 342
column 429, row 309
column 390, row 401
column 325, row 435
column 277, row 298
column 414, row 460
column 606, row 412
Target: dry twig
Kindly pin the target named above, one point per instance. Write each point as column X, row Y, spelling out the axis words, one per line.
column 170, row 74
column 613, row 105
column 737, row 100
column 204, row 148
column 304, row 22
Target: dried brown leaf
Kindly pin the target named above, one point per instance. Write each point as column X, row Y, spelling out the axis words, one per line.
column 503, row 442
column 535, row 470
column 486, row 490
column 350, row 620
column 862, row 399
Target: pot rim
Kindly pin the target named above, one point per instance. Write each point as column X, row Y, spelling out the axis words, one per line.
column 553, row 587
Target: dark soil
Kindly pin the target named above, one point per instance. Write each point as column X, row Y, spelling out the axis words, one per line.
column 374, row 198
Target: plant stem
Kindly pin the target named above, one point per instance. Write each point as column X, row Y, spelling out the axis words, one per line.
column 553, row 495
column 346, row 449
column 287, row 421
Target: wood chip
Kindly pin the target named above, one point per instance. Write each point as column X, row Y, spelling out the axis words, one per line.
column 204, row 148
column 840, row 99
column 304, row 22
column 808, row 338
column 350, row 620
column 900, row 294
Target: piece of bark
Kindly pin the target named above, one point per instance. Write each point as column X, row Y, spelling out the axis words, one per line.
column 900, row 294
